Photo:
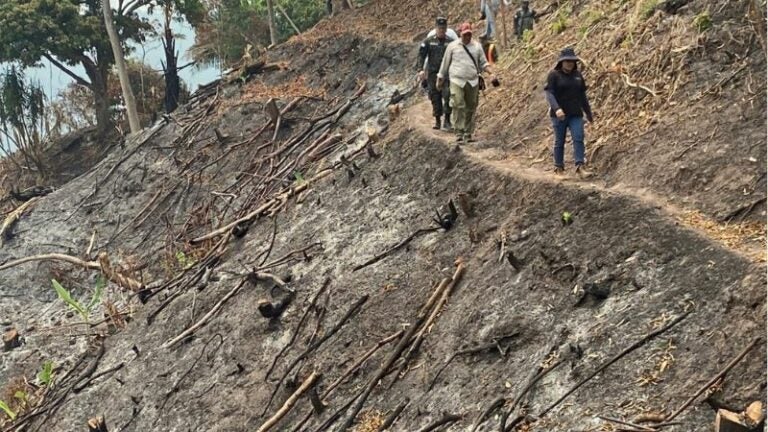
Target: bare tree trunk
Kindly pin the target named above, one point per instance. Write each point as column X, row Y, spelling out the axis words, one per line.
column 170, row 68
column 122, row 69
column 272, row 30
column 98, row 87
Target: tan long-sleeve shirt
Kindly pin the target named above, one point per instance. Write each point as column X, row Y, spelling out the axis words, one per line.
column 459, row 67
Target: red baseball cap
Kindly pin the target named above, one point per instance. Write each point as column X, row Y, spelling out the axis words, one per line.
column 465, row 28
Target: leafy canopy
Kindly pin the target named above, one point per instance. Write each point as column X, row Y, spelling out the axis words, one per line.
column 67, row 29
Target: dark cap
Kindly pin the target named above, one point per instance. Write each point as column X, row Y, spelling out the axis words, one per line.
column 441, row 22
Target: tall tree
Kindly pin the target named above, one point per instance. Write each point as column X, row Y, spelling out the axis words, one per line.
column 271, row 21
column 122, row 70
column 230, row 25
column 69, row 33
column 23, row 120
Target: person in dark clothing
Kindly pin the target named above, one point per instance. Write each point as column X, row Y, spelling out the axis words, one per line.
column 431, row 54
column 566, row 94
column 524, row 19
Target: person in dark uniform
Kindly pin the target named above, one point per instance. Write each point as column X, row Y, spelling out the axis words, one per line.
column 566, row 94
column 524, row 19
column 430, row 57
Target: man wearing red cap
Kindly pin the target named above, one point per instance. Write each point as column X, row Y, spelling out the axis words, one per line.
column 463, row 62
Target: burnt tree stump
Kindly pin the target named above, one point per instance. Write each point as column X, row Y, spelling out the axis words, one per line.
column 11, row 340
column 97, row 424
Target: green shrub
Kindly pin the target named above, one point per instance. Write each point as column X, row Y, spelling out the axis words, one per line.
column 184, row 261
column 591, row 18
column 648, row 8
column 83, row 310
column 45, row 376
column 702, row 21
column 560, row 23
column 528, row 49
column 8, row 411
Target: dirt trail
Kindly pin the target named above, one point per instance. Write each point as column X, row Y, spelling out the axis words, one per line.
column 419, row 118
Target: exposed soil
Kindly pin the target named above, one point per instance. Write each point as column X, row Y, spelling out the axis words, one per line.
column 627, row 261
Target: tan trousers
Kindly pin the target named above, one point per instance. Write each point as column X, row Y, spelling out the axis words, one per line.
column 464, row 104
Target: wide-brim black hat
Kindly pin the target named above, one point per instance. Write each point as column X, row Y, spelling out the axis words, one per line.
column 568, row 54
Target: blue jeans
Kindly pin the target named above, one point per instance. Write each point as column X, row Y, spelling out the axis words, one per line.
column 576, row 126
column 490, row 21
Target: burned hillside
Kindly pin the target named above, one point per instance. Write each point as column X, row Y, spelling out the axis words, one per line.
column 296, row 249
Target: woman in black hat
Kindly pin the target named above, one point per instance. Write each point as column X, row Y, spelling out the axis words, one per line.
column 566, row 94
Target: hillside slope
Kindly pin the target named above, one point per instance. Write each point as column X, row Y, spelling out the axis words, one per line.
column 220, row 213
column 680, row 98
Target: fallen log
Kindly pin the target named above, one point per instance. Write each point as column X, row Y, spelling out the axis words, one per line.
column 349, row 372
column 418, row 340
column 6, row 231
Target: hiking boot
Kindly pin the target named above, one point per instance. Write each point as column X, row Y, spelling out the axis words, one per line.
column 447, row 126
column 559, row 170
column 583, row 172
column 437, row 123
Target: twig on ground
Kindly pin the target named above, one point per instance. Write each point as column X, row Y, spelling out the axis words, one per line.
column 710, row 383
column 503, row 426
column 306, row 385
column 626, row 423
column 191, row 330
column 296, row 332
column 394, row 248
column 405, row 341
column 495, row 344
column 615, row 358
column 310, row 349
column 392, row 417
column 446, row 419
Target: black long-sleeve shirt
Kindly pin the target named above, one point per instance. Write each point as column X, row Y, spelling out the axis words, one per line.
column 431, row 53
column 567, row 91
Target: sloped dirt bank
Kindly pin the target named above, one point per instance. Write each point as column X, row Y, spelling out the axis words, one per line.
column 653, row 271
